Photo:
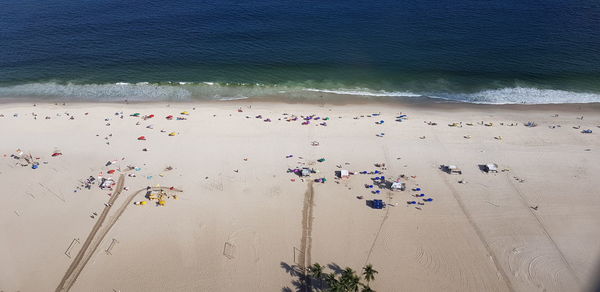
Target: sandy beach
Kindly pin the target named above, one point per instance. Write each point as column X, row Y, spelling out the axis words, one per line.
column 236, row 219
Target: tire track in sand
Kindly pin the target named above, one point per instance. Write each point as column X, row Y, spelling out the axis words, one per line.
column 307, row 217
column 385, row 217
column 389, row 196
column 478, row 231
column 307, row 221
column 525, row 203
column 97, row 234
column 472, row 223
column 81, row 258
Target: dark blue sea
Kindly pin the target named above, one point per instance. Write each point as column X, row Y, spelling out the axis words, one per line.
column 479, row 51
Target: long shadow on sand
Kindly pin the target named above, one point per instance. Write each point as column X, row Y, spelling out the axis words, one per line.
column 335, row 268
column 304, row 283
column 300, row 281
column 595, row 286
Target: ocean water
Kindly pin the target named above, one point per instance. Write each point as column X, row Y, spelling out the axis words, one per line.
column 479, row 51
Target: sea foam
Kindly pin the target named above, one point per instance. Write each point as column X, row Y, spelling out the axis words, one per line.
column 366, row 92
column 97, row 92
column 186, row 91
column 520, row 95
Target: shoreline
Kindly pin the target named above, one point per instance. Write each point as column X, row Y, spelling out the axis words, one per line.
column 337, row 100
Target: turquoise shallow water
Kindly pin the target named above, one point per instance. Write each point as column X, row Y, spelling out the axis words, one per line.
column 463, row 50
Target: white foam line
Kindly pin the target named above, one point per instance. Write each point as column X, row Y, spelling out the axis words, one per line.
column 144, row 91
column 521, row 95
column 366, row 93
column 101, row 92
column 232, row 98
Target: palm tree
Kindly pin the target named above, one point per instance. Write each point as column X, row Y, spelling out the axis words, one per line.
column 369, row 273
column 346, row 281
column 354, row 283
column 316, row 271
column 332, row 283
column 347, row 273
column 349, row 280
column 367, row 289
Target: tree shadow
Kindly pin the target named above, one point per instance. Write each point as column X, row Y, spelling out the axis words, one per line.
column 300, row 281
column 293, row 270
column 335, row 268
column 595, row 285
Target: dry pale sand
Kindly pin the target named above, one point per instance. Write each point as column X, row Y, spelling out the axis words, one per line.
column 482, row 235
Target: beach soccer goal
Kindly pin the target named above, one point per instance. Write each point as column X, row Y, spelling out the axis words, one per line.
column 228, row 250
column 299, row 258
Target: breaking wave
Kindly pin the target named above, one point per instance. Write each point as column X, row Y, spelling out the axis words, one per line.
column 97, row 92
column 522, row 95
column 188, row 91
column 366, row 92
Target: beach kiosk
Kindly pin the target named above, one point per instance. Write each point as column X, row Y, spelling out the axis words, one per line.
column 398, row 186
column 305, row 172
column 106, row 183
column 491, row 167
column 344, row 173
column 452, row 169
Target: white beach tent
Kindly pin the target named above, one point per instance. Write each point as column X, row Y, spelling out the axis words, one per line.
column 398, row 185
column 491, row 167
column 452, row 169
column 306, row 172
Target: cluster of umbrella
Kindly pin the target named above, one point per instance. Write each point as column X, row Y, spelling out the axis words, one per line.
column 421, row 195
